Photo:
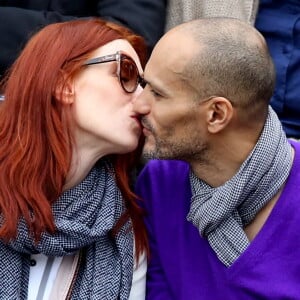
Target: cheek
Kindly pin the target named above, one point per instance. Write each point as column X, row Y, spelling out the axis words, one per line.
column 179, row 125
column 94, row 85
column 170, row 120
column 89, row 108
column 89, row 104
column 97, row 99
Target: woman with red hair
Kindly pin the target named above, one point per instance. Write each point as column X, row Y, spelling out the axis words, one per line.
column 70, row 226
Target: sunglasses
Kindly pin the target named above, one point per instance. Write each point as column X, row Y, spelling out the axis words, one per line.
column 127, row 71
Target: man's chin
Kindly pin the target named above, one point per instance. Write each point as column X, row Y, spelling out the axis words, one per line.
column 153, row 154
column 150, row 151
column 149, row 155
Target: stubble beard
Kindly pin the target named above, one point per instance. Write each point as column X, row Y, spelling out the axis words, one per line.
column 184, row 150
column 188, row 147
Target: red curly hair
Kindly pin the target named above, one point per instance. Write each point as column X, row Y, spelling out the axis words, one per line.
column 35, row 128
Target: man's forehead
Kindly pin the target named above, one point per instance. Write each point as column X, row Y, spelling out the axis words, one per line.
column 161, row 78
column 173, row 52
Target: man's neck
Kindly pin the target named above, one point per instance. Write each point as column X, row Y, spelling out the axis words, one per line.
column 224, row 161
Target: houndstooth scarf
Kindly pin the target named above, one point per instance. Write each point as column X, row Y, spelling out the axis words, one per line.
column 84, row 217
column 221, row 213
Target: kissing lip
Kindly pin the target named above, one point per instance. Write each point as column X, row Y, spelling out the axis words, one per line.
column 137, row 119
column 146, row 129
column 144, row 125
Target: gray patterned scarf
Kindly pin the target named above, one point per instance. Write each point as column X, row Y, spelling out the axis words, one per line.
column 221, row 213
column 84, row 217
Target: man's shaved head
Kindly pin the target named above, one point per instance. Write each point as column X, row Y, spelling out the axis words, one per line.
column 222, row 57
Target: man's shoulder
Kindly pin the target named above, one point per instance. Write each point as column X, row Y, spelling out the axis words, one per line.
column 296, row 163
column 294, row 177
column 166, row 180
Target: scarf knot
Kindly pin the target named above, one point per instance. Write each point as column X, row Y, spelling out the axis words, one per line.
column 221, row 213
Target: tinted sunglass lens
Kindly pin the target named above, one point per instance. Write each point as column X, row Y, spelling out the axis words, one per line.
column 128, row 75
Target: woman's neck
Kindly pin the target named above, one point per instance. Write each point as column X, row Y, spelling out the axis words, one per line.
column 81, row 164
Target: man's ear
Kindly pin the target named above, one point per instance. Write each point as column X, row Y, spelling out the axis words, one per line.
column 64, row 92
column 219, row 114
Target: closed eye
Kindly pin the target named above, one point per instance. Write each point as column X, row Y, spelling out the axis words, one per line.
column 155, row 94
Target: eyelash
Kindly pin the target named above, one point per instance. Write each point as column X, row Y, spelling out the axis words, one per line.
column 155, row 94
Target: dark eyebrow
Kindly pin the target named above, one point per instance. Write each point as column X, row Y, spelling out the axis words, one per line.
column 157, row 89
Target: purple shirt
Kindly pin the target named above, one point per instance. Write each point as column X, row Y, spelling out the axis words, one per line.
column 183, row 265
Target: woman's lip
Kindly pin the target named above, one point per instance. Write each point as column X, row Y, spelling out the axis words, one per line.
column 138, row 121
column 136, row 118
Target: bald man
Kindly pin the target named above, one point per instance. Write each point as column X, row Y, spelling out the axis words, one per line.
column 223, row 207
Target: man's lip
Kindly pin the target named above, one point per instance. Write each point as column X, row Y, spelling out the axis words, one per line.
column 146, row 131
column 143, row 124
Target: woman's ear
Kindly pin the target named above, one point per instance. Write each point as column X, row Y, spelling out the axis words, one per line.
column 219, row 114
column 64, row 92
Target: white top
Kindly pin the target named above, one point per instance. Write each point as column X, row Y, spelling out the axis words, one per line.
column 138, row 288
column 42, row 276
column 44, row 269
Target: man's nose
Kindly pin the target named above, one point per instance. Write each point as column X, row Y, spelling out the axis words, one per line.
column 140, row 104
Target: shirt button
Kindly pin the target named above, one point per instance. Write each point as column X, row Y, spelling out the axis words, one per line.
column 32, row 262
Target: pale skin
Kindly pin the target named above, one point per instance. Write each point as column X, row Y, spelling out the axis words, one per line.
column 105, row 122
column 207, row 133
